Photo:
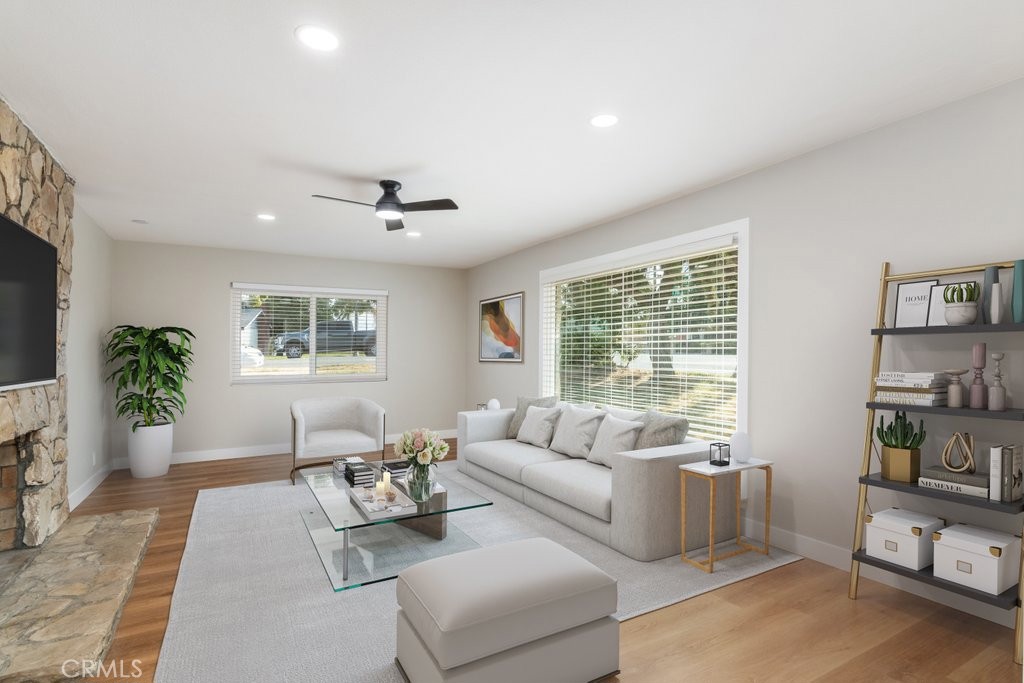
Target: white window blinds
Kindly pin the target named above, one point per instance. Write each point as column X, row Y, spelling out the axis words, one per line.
column 306, row 334
column 659, row 335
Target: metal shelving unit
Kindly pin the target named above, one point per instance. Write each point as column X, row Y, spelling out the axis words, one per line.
column 1011, row 599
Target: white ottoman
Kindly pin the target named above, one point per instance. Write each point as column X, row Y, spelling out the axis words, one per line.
column 523, row 611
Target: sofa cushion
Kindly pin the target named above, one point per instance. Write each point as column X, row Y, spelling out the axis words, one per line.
column 507, row 457
column 661, row 429
column 613, row 436
column 327, row 443
column 522, row 404
column 577, row 483
column 539, row 426
column 473, row 604
column 625, row 413
column 576, row 430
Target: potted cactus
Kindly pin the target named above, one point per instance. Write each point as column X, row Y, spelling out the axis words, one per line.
column 901, row 448
column 961, row 303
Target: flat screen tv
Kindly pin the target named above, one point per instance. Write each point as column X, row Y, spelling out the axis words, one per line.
column 28, row 308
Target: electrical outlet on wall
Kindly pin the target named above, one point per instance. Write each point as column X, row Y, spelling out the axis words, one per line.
column 94, row 458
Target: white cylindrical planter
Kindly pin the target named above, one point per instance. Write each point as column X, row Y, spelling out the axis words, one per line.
column 149, row 450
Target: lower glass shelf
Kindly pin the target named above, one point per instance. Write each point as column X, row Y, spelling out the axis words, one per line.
column 1006, row 600
column 378, row 552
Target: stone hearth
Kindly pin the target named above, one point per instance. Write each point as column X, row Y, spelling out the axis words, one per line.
column 35, row 192
column 60, row 604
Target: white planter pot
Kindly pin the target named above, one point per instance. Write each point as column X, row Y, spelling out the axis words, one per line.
column 962, row 313
column 149, row 450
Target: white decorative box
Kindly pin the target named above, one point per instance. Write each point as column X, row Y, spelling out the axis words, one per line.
column 902, row 537
column 976, row 557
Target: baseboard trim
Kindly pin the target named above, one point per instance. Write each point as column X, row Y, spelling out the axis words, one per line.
column 839, row 557
column 181, row 457
column 76, row 497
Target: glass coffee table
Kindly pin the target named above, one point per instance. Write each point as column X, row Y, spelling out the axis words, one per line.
column 359, row 545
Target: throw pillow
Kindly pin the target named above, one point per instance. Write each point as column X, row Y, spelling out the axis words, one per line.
column 584, row 404
column 661, row 429
column 625, row 413
column 521, row 405
column 538, row 426
column 576, row 430
column 613, row 436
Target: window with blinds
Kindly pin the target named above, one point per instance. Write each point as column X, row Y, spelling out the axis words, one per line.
column 306, row 334
column 659, row 335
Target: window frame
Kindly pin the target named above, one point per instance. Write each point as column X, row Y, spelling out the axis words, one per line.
column 686, row 244
column 381, row 331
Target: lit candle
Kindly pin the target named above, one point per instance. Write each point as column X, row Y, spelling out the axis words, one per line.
column 387, row 481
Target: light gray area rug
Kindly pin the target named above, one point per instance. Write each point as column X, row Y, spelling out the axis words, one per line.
column 253, row 603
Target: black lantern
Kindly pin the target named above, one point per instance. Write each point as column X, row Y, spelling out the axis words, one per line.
column 718, row 454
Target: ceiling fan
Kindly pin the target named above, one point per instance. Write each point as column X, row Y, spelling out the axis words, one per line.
column 390, row 207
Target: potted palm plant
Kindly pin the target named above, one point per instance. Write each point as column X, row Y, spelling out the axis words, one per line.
column 149, row 381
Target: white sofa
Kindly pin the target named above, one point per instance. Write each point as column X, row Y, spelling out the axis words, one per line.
column 632, row 507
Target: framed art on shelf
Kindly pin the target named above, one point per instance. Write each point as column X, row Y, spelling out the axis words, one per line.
column 501, row 329
column 913, row 300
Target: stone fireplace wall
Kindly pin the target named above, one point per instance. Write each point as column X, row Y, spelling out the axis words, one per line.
column 36, row 193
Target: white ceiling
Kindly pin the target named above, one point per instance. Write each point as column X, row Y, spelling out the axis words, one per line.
column 197, row 114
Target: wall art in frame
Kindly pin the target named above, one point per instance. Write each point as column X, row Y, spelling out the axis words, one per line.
column 501, row 329
column 912, row 303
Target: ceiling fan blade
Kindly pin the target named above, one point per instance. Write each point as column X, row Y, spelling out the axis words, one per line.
column 430, row 205
column 338, row 199
column 395, row 224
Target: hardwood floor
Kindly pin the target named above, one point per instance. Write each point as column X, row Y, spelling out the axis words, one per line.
column 794, row 623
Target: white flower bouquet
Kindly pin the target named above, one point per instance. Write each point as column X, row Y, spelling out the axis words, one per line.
column 421, row 447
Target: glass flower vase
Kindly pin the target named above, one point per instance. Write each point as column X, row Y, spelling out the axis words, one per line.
column 419, row 482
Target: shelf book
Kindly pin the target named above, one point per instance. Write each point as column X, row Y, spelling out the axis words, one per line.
column 912, row 388
column 1006, row 471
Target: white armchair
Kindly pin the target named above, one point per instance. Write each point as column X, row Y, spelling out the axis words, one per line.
column 326, row 428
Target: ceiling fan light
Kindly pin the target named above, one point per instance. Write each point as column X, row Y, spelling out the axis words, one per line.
column 389, row 214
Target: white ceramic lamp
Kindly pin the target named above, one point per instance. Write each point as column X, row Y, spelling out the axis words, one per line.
column 739, row 447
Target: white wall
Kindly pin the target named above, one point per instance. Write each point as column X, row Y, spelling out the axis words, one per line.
column 89, row 456
column 190, row 286
column 940, row 189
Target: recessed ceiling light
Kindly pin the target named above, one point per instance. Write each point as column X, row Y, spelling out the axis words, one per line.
column 604, row 120
column 413, row 234
column 266, row 216
column 140, row 221
column 317, row 38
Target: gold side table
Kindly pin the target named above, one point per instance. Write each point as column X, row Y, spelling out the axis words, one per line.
column 706, row 470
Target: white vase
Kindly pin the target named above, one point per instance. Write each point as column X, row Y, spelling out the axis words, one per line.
column 964, row 313
column 995, row 304
column 149, row 450
column 739, row 447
